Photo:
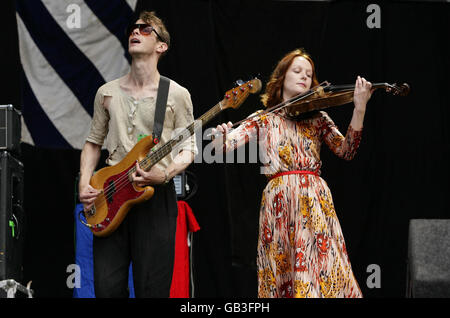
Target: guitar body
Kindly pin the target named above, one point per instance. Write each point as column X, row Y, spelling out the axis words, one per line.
column 118, row 193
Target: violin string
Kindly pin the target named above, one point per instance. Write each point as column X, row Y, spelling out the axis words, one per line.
column 299, row 97
column 352, row 87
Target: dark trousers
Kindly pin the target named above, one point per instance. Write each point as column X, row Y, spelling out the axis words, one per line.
column 146, row 237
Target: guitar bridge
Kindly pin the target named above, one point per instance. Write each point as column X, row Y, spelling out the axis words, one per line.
column 111, row 192
column 90, row 212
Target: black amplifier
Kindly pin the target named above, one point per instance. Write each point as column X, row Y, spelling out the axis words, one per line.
column 10, row 128
column 12, row 217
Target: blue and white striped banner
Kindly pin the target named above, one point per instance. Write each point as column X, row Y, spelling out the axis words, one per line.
column 68, row 49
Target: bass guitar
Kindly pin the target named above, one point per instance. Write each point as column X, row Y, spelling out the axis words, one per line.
column 117, row 191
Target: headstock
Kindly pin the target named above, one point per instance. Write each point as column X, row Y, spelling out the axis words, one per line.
column 401, row 90
column 235, row 97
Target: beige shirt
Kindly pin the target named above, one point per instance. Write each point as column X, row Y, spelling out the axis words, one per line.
column 126, row 120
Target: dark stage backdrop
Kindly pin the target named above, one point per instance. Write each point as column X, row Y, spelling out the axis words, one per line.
column 400, row 172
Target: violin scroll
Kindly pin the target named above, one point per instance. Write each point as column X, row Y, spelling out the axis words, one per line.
column 401, row 90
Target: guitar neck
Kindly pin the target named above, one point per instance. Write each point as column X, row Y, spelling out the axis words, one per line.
column 154, row 156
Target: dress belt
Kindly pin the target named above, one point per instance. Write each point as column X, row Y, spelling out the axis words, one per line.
column 279, row 174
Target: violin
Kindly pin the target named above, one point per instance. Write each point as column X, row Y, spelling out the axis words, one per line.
column 326, row 95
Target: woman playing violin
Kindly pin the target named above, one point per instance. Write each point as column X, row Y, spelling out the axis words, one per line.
column 301, row 248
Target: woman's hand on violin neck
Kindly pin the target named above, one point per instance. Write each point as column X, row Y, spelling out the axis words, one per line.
column 363, row 92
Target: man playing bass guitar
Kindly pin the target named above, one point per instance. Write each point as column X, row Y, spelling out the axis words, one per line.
column 124, row 111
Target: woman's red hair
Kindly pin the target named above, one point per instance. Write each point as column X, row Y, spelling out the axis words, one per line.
column 274, row 88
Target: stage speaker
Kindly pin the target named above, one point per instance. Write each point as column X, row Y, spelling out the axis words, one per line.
column 12, row 218
column 428, row 267
column 10, row 129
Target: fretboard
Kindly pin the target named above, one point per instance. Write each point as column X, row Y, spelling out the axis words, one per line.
column 157, row 154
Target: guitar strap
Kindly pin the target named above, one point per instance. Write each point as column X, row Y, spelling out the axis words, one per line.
column 160, row 108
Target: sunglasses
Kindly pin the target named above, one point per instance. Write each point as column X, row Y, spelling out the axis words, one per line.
column 144, row 29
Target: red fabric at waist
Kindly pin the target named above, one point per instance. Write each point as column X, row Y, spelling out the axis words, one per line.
column 279, row 174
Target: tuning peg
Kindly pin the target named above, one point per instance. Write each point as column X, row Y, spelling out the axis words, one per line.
column 240, row 82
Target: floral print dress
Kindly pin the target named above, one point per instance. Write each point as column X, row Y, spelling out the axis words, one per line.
column 301, row 248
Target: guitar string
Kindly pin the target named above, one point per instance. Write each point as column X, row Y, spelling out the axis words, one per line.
column 208, row 115
column 157, row 153
column 160, row 153
column 123, row 180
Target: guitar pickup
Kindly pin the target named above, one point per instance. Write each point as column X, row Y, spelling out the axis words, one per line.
column 111, row 191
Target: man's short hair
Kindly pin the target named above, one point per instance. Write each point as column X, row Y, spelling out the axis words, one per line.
column 151, row 18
